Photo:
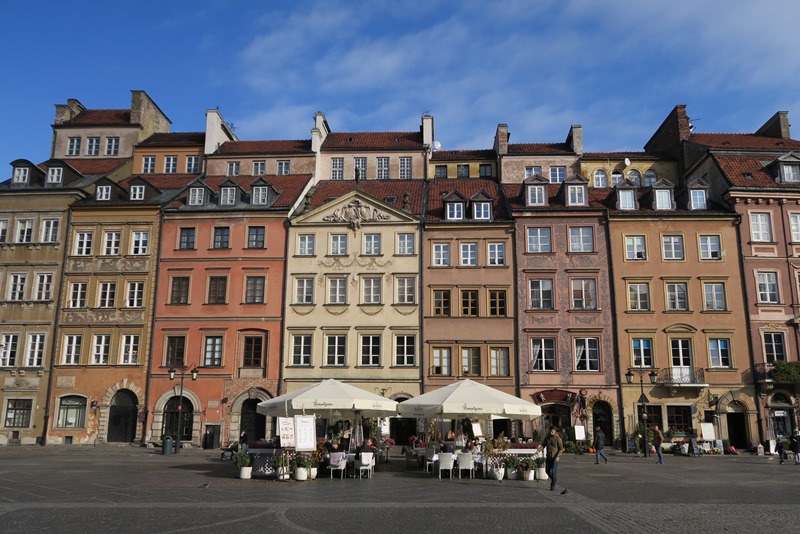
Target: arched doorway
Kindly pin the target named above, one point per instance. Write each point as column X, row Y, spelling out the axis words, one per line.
column 601, row 416
column 253, row 422
column 175, row 419
column 122, row 416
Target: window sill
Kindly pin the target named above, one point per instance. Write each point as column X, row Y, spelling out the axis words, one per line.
column 717, row 311
column 677, row 311
column 640, row 312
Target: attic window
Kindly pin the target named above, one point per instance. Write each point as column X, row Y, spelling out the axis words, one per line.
column 626, row 199
column 227, row 196
column 698, row 199
column 390, row 200
column 536, row 195
column 196, row 196
column 21, row 175
column 663, row 199
column 396, row 139
column 455, row 211
column 576, row 195
column 349, row 139
column 103, row 192
column 54, row 175
column 791, row 172
column 748, row 176
column 482, row 211
column 137, row 192
column 260, row 195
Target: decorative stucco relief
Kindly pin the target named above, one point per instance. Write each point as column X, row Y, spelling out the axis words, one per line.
column 355, row 213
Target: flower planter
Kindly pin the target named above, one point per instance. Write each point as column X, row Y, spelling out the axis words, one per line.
column 541, row 473
column 246, row 473
column 312, row 473
column 527, row 475
column 283, row 473
column 498, row 473
column 511, row 474
column 301, row 473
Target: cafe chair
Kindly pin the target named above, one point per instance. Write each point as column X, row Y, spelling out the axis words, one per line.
column 446, row 462
column 338, row 463
column 430, row 452
column 466, row 461
column 365, row 463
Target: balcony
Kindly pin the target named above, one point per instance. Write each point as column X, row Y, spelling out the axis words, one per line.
column 778, row 372
column 681, row 378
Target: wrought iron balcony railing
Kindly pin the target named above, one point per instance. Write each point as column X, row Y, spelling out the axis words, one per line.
column 677, row 376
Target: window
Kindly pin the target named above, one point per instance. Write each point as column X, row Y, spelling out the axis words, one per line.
column 336, row 350
column 370, row 350
column 626, row 199
column 372, row 244
column 103, row 193
column 186, row 239
column 469, row 254
column 498, row 361
column 639, row 297
column 642, row 352
column 170, row 164
column 405, row 244
column 485, row 170
column 283, row 167
column 111, row 244
column 8, row 350
column 372, row 290
column 301, row 349
column 77, row 295
column 305, row 245
column 440, row 171
column 497, row 254
column 635, row 247
column 192, row 164
column 616, row 178
column 222, row 237
column 197, row 196
column 254, row 289
column 259, row 168
column 715, row 296
column 55, row 175
column 663, row 199
column 260, row 196
column 533, row 171
column 148, row 164
column 71, row 412
column 137, row 192
column 539, row 240
column 256, row 237
column 72, row 350
column 212, row 357
column 681, row 350
column 557, row 174
column 337, row 169
column 441, row 361
column 600, row 178
column 720, row 352
column 233, row 168
column 176, row 351
column 455, row 211
column 24, row 231
column 101, row 349
column 672, row 247
column 50, row 231
column 74, row 146
column 18, row 413
column 710, row 247
column 794, row 224
column 383, row 168
column 635, row 177
column 441, row 254
column 217, row 289
column 482, row 211
column 406, row 290
column 677, row 299
column 44, row 286
column 338, row 245
column 107, row 296
column 441, row 303
column 760, row 227
column 774, row 347
column 679, row 418
column 253, row 351
column 462, row 171
column 581, row 239
column 541, row 293
column 405, row 168
column 140, row 242
column 471, row 361
column 16, row 287
column 112, row 146
column 469, row 303
column 227, row 196
column 92, row 146
column 543, row 354
column 305, row 291
column 405, row 350
column 650, row 177
column 360, row 168
column 698, row 197
column 584, row 294
column 179, row 293
column 497, row 303
column 536, row 195
column 35, row 350
column 768, row 288
column 576, row 195
column 587, row 354
column 337, row 291
column 3, row 231
column 21, row 175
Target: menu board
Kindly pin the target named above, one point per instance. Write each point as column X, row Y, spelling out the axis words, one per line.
column 580, row 433
column 305, row 433
column 286, row 431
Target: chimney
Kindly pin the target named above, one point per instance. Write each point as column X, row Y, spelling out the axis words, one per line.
column 501, row 140
column 427, row 130
column 575, row 139
column 217, row 131
column 776, row 126
column 67, row 112
column 319, row 132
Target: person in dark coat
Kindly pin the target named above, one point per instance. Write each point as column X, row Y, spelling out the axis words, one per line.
column 794, row 446
column 599, row 444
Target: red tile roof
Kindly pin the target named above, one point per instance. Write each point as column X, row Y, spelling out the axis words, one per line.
column 538, row 148
column 744, row 141
column 467, row 187
column 297, row 146
column 101, row 116
column 289, row 185
column 175, row 139
column 517, row 200
column 635, row 156
column 373, row 140
column 95, row 166
column 462, row 155
column 162, row 182
column 379, row 189
column 749, row 171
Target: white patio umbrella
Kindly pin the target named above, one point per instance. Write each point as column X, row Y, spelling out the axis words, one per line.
column 469, row 399
column 329, row 398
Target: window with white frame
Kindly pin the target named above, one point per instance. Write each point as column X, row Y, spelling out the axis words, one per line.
column 360, row 168
column 20, row 175
column 469, row 254
column 581, row 239
column 74, row 146
column 24, row 231
column 8, row 350
column 130, row 349
column 148, row 164
column 442, row 358
column 616, row 178
column 441, row 254
column 405, row 168
column 112, row 146
column 336, row 350
column 170, row 164
column 227, row 196
column 584, row 294
column 234, row 168
column 642, row 352
column 587, row 354
column 337, row 168
column 35, row 353
column 499, row 361
column 681, row 350
column 774, row 347
column 192, row 164
column 338, row 245
column 371, row 350
column 101, row 349
column 3, row 231
column 576, row 195
column 533, row 170
column 77, row 295
column 635, row 247
column 672, row 246
column 663, row 199
column 497, row 254
column 405, row 350
column 382, row 168
column 305, row 245
column 337, row 290
column 16, row 286
column 639, row 296
column 699, row 201
column 137, row 192
column 600, row 178
column 301, row 349
column 536, row 195
column 304, row 293
column 92, row 146
column 260, row 196
column 197, row 196
column 768, row 288
column 372, row 290
column 558, row 174
column 212, row 354
column 44, row 286
column 406, row 290
column 72, row 350
column 455, row 211
column 482, row 211
column 405, row 244
column 372, row 244
column 103, row 193
column 760, row 227
column 139, row 243
column 259, row 167
column 635, row 177
column 710, row 247
column 626, row 199
column 719, row 349
column 284, row 167
column 135, row 295
column 539, row 240
column 107, row 295
column 543, row 354
column 111, row 244
column 677, row 296
column 55, row 175
column 541, row 294
column 794, row 224
column 715, row 296
column 50, row 229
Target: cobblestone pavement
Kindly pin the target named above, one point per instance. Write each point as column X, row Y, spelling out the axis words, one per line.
column 130, row 489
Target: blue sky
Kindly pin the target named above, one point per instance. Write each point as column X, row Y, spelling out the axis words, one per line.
column 617, row 68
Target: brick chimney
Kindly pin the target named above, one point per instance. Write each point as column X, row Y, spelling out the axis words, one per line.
column 776, row 126
column 575, row 139
column 501, row 140
column 67, row 112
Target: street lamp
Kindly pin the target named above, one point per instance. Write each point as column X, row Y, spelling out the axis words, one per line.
column 172, row 372
column 642, row 399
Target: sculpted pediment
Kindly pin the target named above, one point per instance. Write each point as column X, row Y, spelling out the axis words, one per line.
column 355, row 210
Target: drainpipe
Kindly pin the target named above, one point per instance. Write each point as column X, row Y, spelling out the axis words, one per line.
column 153, row 307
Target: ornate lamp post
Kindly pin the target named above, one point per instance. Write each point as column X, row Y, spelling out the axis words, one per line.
column 172, row 372
column 642, row 398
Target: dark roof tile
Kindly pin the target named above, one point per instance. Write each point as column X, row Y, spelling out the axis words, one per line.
column 298, row 146
column 373, row 140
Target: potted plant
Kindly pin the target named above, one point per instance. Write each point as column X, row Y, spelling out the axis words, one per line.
column 244, row 462
column 525, row 468
column 302, row 466
column 541, row 470
column 494, row 454
column 512, row 464
column 280, row 467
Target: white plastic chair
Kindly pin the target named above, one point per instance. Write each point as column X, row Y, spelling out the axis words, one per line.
column 338, row 463
column 446, row 462
column 466, row 461
column 429, row 454
column 365, row 461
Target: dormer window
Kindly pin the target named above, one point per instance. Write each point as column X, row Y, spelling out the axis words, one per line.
column 21, row 175
column 791, row 172
column 137, row 192
column 455, row 211
column 55, row 175
column 197, row 196
column 536, row 195
column 663, row 199
column 103, row 193
column 482, row 211
column 227, row 196
column 260, row 195
column 698, row 199
column 626, row 199
column 576, row 195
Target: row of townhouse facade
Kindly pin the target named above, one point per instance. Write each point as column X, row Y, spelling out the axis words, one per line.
column 166, row 283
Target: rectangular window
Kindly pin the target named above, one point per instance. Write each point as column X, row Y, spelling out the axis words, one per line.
column 92, row 146
column 260, row 196
column 481, row 211
column 679, row 418
column 55, row 175
column 497, row 254
column 44, row 286
column 643, row 352
column 360, row 168
column 541, row 294
column 462, row 171
column 212, row 356
column 254, row 289
column 24, row 231
column 170, row 164
column 794, row 224
column 137, row 192
column 179, row 293
column 305, row 245
column 337, row 291
column 469, row 303
column 663, row 199
column 536, row 195
column 338, row 245
column 455, row 211
column 176, row 351
column 197, row 196
column 140, row 243
column 441, row 303
column 441, row 254
column 587, row 354
column 639, row 296
column 192, row 164
column 234, row 168
column 539, row 240
column 305, row 291
column 677, row 297
column 584, row 294
column 256, row 237
column 108, row 294
column 485, row 170
column 370, row 350
column 336, row 350
column 18, row 413
column 111, row 245
column 8, row 350
column 698, row 197
column 760, row 227
column 227, row 196
column 543, row 354
column 372, row 290
column 72, row 350
column 50, row 230
column 405, row 244
column 681, row 350
column 768, row 288
column 405, row 350
column 253, row 353
column 440, row 171
column 498, row 361
column 284, row 167
column 74, row 146
column 382, row 168
column 35, row 350
column 406, row 290
column 112, row 146
column 533, row 171
column 469, row 254
column 405, row 168
column 259, row 168
column 581, row 239
column 103, row 192
column 471, row 361
column 710, row 247
column 77, row 295
column 577, row 195
column 222, row 237
column 557, row 174
column 101, row 349
column 497, row 303
column 217, row 289
column 148, row 164
column 21, row 175
column 774, row 347
column 337, row 168
column 442, row 357
column 720, row 352
column 186, row 241
column 672, row 247
column 3, row 231
column 16, row 287
column 71, row 412
column 715, row 296
column 372, row 244
column 301, row 349
column 635, row 247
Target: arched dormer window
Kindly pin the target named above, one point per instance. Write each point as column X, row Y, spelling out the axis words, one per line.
column 600, row 178
column 635, row 177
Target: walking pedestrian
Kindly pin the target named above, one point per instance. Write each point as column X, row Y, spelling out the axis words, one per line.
column 781, row 451
column 794, row 446
column 243, row 443
column 658, row 439
column 599, row 444
column 554, row 446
